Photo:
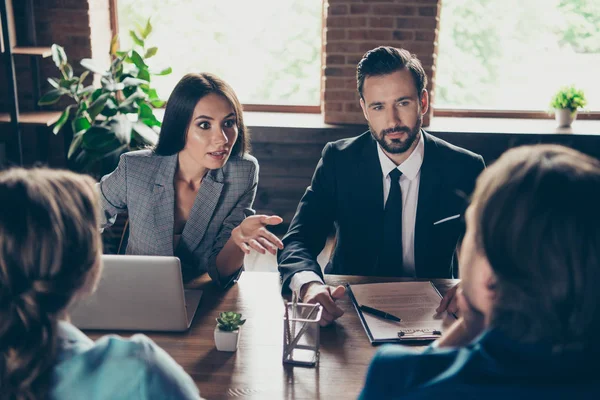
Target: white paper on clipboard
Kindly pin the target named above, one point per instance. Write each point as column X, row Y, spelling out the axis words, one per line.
column 413, row 302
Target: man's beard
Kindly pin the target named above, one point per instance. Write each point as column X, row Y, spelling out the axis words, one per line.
column 398, row 146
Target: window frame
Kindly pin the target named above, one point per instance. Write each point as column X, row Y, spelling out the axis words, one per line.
column 279, row 108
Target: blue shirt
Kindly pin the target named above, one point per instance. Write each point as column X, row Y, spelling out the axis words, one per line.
column 116, row 368
column 491, row 367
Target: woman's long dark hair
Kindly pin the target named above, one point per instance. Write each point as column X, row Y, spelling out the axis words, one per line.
column 180, row 110
column 49, row 249
column 537, row 213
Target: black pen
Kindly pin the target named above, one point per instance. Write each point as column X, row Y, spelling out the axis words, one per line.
column 379, row 313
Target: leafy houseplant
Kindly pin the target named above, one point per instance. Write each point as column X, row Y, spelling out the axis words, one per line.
column 227, row 331
column 114, row 118
column 566, row 102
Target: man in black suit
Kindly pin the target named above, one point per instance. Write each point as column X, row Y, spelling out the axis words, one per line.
column 395, row 194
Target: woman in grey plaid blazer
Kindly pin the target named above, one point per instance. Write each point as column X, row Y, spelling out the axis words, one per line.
column 191, row 196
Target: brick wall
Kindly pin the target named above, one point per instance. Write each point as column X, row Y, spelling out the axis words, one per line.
column 82, row 27
column 353, row 27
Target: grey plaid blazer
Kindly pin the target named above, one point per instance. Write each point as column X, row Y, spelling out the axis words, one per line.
column 143, row 185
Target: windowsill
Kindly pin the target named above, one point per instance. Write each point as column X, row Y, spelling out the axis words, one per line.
column 438, row 124
column 523, row 126
column 257, row 119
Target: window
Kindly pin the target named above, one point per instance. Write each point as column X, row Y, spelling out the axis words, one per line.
column 514, row 54
column 269, row 51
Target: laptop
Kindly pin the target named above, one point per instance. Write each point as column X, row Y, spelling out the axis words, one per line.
column 138, row 293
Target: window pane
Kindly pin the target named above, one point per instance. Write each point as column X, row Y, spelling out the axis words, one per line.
column 515, row 54
column 269, row 51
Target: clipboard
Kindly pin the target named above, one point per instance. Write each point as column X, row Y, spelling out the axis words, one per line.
column 404, row 335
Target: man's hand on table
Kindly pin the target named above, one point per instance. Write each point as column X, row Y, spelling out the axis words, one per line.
column 316, row 292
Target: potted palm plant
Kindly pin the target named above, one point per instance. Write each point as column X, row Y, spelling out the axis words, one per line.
column 565, row 103
column 227, row 331
column 113, row 118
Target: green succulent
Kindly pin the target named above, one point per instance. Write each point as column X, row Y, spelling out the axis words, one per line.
column 570, row 98
column 230, row 321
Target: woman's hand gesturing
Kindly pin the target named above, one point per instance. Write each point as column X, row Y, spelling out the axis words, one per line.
column 252, row 233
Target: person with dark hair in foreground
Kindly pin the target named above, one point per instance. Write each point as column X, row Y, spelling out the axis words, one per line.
column 192, row 195
column 530, row 311
column 395, row 194
column 50, row 250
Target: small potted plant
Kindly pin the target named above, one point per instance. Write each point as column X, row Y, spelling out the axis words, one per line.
column 566, row 102
column 227, row 331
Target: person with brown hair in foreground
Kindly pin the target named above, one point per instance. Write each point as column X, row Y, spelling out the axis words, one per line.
column 50, row 251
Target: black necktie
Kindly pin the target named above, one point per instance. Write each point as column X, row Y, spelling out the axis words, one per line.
column 391, row 254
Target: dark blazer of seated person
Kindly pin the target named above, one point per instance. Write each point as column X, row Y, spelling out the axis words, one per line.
column 192, row 195
column 347, row 190
column 530, row 266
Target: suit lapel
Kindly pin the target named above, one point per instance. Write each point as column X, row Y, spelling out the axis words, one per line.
column 163, row 200
column 429, row 187
column 203, row 209
column 370, row 197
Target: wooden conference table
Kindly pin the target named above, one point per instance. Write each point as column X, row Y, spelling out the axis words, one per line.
column 256, row 369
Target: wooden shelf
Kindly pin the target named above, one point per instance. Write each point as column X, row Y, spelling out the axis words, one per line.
column 33, row 51
column 33, row 117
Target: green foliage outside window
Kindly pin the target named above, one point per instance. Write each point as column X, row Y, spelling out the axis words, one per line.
column 269, row 51
column 513, row 54
column 582, row 28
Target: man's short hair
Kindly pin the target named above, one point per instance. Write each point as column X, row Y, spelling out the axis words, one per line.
column 385, row 60
column 537, row 220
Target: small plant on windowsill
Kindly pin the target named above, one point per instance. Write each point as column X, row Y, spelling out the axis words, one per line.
column 227, row 331
column 565, row 103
